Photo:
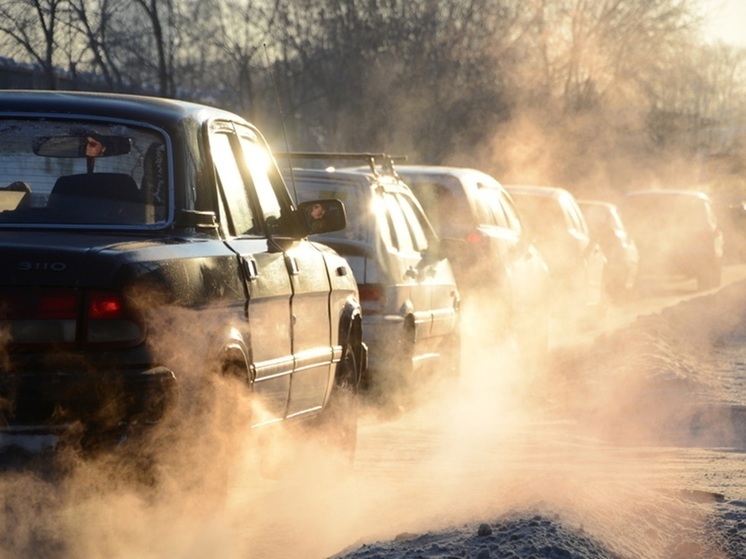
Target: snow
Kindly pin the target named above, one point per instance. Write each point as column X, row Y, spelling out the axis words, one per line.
column 657, row 410
column 629, row 445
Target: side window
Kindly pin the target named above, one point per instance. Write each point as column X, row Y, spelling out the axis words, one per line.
column 576, row 218
column 416, row 222
column 491, row 199
column 381, row 215
column 236, row 196
column 511, row 214
column 402, row 238
column 483, row 208
column 258, row 163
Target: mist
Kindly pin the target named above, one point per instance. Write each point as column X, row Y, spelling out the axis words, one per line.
column 583, row 438
column 587, row 438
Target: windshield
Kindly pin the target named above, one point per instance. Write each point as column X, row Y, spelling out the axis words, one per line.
column 81, row 173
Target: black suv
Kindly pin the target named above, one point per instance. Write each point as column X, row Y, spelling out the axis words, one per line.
column 146, row 242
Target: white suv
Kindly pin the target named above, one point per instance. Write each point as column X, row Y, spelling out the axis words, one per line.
column 408, row 292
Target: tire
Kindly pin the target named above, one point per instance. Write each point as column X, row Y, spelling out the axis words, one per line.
column 338, row 422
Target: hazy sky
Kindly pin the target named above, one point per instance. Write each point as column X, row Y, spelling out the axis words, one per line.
column 727, row 20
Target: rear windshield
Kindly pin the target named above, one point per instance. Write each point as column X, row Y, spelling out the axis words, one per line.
column 81, row 173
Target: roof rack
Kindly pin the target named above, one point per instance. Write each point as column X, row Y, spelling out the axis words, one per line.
column 385, row 160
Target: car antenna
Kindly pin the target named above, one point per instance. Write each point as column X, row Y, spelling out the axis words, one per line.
column 282, row 120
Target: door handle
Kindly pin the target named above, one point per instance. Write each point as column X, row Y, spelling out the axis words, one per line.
column 292, row 265
column 250, row 268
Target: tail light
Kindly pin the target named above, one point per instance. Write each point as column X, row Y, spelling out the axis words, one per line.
column 372, row 297
column 475, row 238
column 68, row 318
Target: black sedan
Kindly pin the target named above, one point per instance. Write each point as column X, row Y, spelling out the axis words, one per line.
column 147, row 245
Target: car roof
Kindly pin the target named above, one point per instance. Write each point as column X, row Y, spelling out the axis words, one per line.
column 548, row 191
column 673, row 192
column 155, row 110
column 600, row 203
column 467, row 176
column 439, row 170
column 361, row 177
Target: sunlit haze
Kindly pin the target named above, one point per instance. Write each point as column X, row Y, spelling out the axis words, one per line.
column 726, row 21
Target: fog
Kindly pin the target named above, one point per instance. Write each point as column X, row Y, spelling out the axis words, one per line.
column 584, row 446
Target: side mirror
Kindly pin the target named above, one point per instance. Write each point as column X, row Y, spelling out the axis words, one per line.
column 323, row 216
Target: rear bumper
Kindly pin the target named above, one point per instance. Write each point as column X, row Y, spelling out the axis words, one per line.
column 99, row 401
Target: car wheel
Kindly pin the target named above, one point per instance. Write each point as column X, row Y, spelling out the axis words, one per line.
column 338, row 423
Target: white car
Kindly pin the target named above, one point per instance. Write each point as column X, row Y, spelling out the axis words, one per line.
column 409, row 296
column 576, row 262
column 501, row 274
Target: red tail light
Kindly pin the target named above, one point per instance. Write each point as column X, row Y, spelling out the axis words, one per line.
column 68, row 318
column 105, row 305
column 54, row 305
column 108, row 322
column 474, row 238
column 372, row 297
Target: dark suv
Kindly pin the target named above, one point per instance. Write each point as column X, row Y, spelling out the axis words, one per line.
column 146, row 242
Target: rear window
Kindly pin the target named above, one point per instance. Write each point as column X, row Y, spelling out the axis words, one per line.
column 81, row 173
column 445, row 206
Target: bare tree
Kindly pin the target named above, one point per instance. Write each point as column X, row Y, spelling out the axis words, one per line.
column 411, row 75
column 91, row 23
column 32, row 27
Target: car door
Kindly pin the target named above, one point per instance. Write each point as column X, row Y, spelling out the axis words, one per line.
column 526, row 270
column 594, row 258
column 411, row 292
column 310, row 321
column 435, row 277
column 265, row 275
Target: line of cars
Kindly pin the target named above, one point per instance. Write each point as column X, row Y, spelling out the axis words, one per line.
column 149, row 246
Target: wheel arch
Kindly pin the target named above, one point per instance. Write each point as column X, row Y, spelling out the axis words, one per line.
column 351, row 329
column 232, row 355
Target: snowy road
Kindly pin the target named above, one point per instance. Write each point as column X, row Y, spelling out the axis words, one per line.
column 637, row 443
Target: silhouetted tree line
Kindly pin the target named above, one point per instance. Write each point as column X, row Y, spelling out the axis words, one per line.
column 595, row 93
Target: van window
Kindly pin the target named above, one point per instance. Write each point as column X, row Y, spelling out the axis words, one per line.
column 402, row 237
column 416, row 221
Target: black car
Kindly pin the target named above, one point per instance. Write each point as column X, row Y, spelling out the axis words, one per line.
column 147, row 243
